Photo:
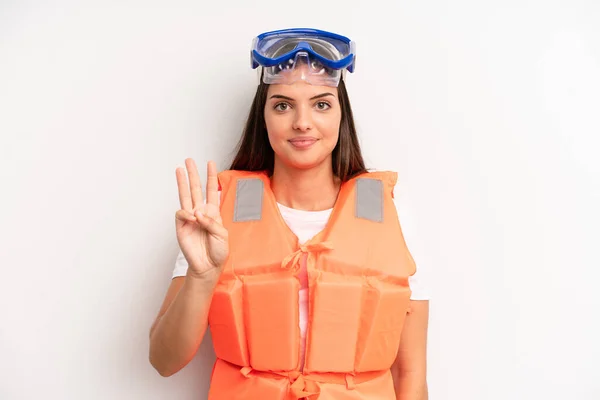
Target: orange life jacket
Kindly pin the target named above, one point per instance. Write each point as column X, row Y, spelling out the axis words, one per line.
column 358, row 269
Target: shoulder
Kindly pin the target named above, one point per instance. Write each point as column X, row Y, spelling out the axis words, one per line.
column 408, row 219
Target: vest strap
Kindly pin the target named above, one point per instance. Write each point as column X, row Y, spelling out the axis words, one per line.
column 292, row 261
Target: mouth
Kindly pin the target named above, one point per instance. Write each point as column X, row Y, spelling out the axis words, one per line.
column 303, row 143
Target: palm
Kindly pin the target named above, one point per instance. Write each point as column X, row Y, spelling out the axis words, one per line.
column 200, row 232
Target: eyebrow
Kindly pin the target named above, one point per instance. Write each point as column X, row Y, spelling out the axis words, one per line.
column 280, row 96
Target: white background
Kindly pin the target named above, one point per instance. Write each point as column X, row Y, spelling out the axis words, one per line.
column 488, row 110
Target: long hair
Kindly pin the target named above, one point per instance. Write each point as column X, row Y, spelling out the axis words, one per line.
column 254, row 152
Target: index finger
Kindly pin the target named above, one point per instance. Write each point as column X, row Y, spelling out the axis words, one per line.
column 185, row 199
column 212, row 184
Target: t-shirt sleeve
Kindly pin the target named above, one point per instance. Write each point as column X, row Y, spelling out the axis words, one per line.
column 417, row 282
column 181, row 265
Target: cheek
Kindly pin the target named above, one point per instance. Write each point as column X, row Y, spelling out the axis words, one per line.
column 277, row 128
column 329, row 127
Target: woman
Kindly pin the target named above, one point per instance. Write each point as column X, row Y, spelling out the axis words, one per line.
column 296, row 259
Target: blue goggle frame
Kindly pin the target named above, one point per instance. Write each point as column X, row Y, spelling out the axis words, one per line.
column 341, row 43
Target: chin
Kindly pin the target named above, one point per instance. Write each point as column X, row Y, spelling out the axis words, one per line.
column 306, row 163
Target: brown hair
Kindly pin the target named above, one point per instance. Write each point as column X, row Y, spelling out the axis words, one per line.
column 254, row 152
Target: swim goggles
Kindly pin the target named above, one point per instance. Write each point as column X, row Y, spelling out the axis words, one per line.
column 315, row 56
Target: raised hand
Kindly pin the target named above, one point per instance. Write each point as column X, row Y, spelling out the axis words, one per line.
column 200, row 232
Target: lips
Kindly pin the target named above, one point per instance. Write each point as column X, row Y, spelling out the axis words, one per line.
column 303, row 142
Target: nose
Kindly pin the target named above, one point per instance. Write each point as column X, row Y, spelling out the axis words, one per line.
column 302, row 119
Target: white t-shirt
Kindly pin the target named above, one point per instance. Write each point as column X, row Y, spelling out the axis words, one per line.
column 305, row 225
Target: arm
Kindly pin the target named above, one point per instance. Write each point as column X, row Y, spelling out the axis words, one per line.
column 409, row 371
column 181, row 323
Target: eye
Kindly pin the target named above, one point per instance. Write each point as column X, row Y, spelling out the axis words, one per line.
column 282, row 106
column 323, row 105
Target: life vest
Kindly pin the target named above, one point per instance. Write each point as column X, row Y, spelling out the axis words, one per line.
column 358, row 269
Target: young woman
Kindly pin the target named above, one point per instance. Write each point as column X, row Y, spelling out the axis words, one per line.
column 296, row 259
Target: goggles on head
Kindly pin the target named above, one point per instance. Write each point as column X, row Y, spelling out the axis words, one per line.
column 317, row 57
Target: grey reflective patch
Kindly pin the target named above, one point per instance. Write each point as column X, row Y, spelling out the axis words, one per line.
column 248, row 200
column 369, row 199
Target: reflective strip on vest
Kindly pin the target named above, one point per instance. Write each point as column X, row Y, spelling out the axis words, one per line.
column 369, row 199
column 248, row 200
column 249, row 196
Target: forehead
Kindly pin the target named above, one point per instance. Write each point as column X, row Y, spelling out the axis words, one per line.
column 300, row 90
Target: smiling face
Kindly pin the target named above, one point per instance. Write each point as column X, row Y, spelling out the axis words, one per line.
column 303, row 124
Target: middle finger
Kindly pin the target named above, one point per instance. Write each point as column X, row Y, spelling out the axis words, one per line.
column 195, row 187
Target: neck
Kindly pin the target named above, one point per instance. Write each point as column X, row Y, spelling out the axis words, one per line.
column 314, row 189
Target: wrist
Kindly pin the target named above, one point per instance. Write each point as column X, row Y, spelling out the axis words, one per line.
column 209, row 277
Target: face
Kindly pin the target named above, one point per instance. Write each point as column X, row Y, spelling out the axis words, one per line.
column 303, row 124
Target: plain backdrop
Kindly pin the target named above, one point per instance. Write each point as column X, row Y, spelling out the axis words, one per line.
column 488, row 110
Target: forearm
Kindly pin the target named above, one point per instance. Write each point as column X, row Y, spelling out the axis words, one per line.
column 176, row 336
column 410, row 367
column 410, row 385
